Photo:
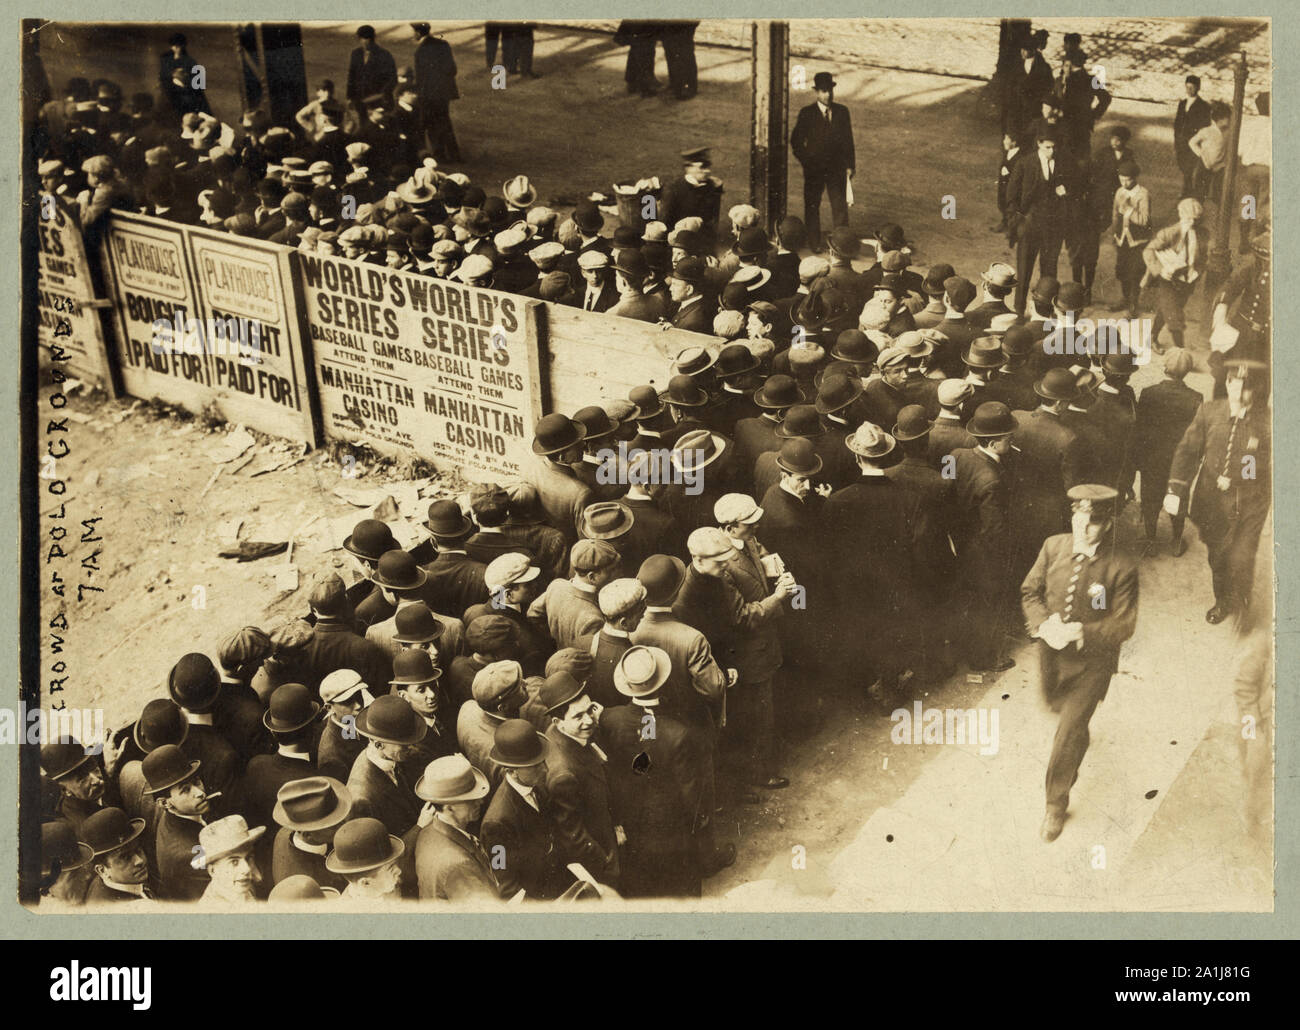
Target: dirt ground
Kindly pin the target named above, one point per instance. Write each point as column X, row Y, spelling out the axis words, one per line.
column 920, row 138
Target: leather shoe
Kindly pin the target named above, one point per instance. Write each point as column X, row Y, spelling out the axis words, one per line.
column 1053, row 823
column 1216, row 614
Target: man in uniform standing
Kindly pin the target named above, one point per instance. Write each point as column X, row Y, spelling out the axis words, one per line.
column 697, row 193
column 1080, row 600
column 1228, row 450
column 822, row 141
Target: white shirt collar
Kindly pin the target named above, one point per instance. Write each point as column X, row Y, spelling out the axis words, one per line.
column 583, row 585
column 288, row 751
column 198, row 718
column 1107, row 388
column 312, row 849
column 614, row 631
column 1091, row 552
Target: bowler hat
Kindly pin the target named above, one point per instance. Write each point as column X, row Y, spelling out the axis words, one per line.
column 556, row 433
column 414, row 665
column 166, row 767
column 1017, row 341
column 632, row 264
column 1057, row 384
column 735, row 359
column 398, row 571
column 853, row 345
column 291, row 709
column 823, row 80
column 641, row 671
column 312, row 803
column 62, row 757
column 684, row 392
column 60, row 848
column 392, row 720
column 837, row 393
column 361, row 846
column 587, row 217
column 1069, row 297
column 1046, row 289
column 890, row 236
column 778, row 392
column 985, row 352
column 447, row 520
column 800, row 421
column 992, row 418
column 415, row 624
column 595, row 422
column 451, row 779
column 516, row 745
column 300, row 887
column 934, row 279
column 661, row 575
column 1119, row 363
column 558, row 691
column 110, row 829
column 161, row 722
column 648, row 402
column 194, row 682
column 751, row 242
column 798, row 458
column 912, row 423
column 845, row 242
column 690, row 269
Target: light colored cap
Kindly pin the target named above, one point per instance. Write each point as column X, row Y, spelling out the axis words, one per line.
column 341, row 684
column 590, row 259
column 509, row 569
column 620, row 597
column 731, row 508
column 710, row 542
column 476, row 266
column 953, row 392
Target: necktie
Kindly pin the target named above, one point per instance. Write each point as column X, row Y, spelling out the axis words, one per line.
column 828, row 116
column 591, row 301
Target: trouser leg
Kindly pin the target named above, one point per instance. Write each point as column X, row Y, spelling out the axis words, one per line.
column 1072, row 737
column 839, row 202
column 812, row 202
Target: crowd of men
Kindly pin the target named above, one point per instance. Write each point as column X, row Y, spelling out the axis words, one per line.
column 863, row 482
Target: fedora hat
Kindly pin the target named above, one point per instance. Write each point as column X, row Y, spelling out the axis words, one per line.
column 63, row 757
column 698, row 449
column 391, row 720
column 641, row 671
column 985, row 352
column 778, row 392
column 1001, row 275
column 992, row 418
column 450, row 779
column 559, row 690
column 166, row 767
column 516, row 745
column 837, row 393
column 110, row 829
column 415, row 624
column 735, row 359
column 397, row 570
column 414, row 666
column 519, row 192
column 1057, row 384
column 800, row 421
column 556, row 433
column 291, row 708
column 312, row 803
column 662, row 576
column 416, row 195
column 692, row 361
column 447, row 520
column 363, row 845
column 60, row 848
column 914, row 345
column 194, row 682
column 684, row 392
column 869, row 441
column 606, row 520
column 798, row 458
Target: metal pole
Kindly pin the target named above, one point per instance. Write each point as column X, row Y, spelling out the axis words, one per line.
column 769, row 92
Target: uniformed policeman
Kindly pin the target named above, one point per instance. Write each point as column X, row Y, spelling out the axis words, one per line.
column 1080, row 601
column 1227, row 450
column 1242, row 313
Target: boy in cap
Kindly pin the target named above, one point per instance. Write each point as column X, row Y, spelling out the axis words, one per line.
column 1080, row 601
column 1175, row 260
column 344, row 694
column 498, row 694
column 622, row 603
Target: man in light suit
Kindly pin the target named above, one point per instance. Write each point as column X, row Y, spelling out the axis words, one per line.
column 450, row 861
column 822, row 141
column 1081, row 601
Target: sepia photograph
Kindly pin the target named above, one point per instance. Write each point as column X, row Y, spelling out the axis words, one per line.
column 732, row 465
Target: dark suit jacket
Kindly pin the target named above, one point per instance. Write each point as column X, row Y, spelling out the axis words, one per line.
column 336, row 754
column 1014, row 388
column 752, row 437
column 1049, row 463
column 785, row 274
column 1033, row 204
column 562, row 495
column 174, row 846
column 577, row 783
column 335, row 646
column 605, row 299
column 1187, row 124
column 394, row 805
column 527, row 838
column 821, row 146
column 263, row 778
column 221, row 765
column 449, row 867
column 1164, row 412
column 653, row 532
column 658, row 799
column 982, row 519
column 378, row 75
column 455, row 583
column 546, row 544
column 238, row 717
column 435, row 72
column 738, row 615
column 946, row 435
column 288, row 860
column 606, row 650
column 697, row 317
column 927, row 515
